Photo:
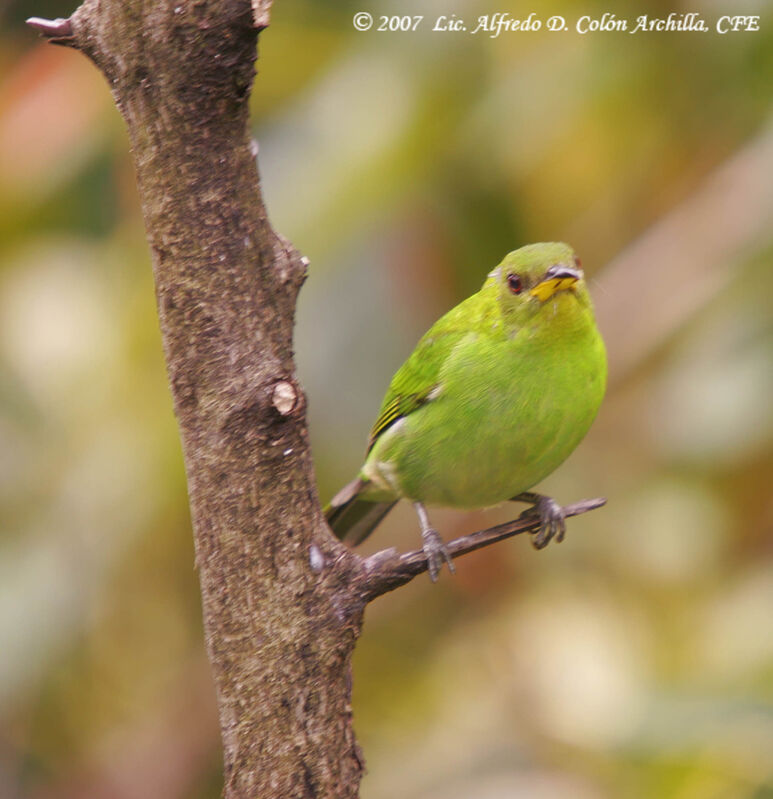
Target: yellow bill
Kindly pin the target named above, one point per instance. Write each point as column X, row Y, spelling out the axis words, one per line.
column 545, row 289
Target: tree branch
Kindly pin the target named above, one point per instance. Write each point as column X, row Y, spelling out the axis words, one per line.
column 57, row 31
column 279, row 638
column 386, row 570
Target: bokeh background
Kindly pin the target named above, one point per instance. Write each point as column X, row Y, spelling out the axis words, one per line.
column 634, row 660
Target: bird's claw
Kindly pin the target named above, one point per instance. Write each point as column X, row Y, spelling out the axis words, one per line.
column 552, row 522
column 436, row 553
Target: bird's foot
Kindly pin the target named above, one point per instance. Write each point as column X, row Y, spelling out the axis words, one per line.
column 551, row 516
column 435, row 549
column 436, row 552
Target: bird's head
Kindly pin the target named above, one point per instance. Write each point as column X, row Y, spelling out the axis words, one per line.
column 540, row 282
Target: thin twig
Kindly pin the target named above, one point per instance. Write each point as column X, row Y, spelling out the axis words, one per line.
column 387, row 569
column 57, row 31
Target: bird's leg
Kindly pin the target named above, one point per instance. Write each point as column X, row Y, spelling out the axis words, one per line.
column 551, row 516
column 434, row 548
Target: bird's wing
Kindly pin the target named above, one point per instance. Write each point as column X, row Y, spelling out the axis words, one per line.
column 414, row 382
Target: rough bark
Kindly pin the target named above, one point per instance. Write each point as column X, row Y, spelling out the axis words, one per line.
column 282, row 598
column 278, row 638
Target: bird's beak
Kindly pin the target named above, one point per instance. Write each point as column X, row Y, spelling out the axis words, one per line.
column 557, row 278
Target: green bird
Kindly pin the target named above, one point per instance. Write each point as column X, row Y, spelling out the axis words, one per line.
column 494, row 398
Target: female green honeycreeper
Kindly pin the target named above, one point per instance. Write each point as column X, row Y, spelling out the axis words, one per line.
column 495, row 396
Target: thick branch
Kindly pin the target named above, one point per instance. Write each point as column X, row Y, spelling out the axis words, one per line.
column 387, row 570
column 279, row 638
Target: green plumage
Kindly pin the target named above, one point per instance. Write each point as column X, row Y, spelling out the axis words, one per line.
column 495, row 396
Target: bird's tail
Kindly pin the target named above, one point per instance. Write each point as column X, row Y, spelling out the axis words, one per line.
column 353, row 519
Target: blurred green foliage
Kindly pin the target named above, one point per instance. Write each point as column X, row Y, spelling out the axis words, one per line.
column 636, row 659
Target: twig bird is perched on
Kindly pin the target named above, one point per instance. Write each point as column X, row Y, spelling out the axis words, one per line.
column 495, row 396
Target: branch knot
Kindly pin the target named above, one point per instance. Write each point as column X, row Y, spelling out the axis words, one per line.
column 284, row 397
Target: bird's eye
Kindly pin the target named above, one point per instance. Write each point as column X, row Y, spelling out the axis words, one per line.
column 514, row 283
column 577, row 262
